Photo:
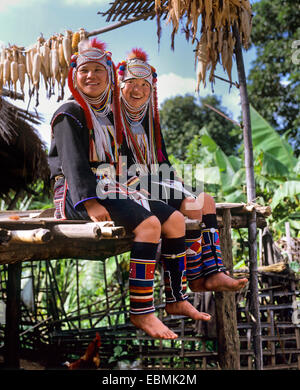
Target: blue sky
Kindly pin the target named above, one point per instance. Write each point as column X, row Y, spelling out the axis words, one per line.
column 22, row 22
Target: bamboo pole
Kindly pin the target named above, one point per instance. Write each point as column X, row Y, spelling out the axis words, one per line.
column 121, row 23
column 36, row 236
column 251, row 195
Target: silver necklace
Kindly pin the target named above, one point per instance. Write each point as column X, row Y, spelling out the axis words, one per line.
column 134, row 115
column 103, row 99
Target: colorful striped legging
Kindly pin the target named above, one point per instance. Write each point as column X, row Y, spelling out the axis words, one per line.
column 142, row 268
column 203, row 250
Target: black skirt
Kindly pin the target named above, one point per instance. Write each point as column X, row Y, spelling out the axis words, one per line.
column 124, row 212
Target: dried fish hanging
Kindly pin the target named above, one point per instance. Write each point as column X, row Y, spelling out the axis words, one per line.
column 216, row 42
column 46, row 60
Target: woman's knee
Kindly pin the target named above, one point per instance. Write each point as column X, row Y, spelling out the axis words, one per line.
column 208, row 202
column 149, row 230
column 176, row 219
column 192, row 208
column 174, row 225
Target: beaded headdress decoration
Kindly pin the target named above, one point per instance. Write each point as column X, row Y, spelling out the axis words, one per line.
column 95, row 51
column 136, row 66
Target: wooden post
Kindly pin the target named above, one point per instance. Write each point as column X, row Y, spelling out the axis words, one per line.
column 11, row 338
column 228, row 338
column 251, row 195
column 288, row 241
column 260, row 261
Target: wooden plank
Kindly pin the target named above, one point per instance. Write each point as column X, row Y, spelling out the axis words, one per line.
column 281, row 367
column 266, row 325
column 277, row 267
column 64, row 248
column 237, row 222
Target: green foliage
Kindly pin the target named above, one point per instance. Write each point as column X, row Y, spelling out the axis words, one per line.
column 267, row 140
column 119, row 354
column 182, row 119
column 37, row 197
column 274, row 79
column 275, row 166
column 88, row 276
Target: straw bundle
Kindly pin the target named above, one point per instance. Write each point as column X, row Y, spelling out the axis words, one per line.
column 216, row 41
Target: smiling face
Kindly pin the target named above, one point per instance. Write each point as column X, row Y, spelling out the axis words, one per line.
column 136, row 92
column 92, row 79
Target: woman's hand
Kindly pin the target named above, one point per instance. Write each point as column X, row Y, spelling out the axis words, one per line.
column 96, row 211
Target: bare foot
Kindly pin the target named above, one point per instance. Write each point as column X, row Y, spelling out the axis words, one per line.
column 185, row 308
column 197, row 285
column 150, row 324
column 222, row 282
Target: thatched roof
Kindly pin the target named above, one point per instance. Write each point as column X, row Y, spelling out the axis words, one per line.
column 23, row 156
column 214, row 25
column 126, row 9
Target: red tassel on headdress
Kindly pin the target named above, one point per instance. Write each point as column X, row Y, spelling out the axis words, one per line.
column 80, row 100
column 157, row 129
column 138, row 53
column 117, row 108
column 87, row 114
column 98, row 44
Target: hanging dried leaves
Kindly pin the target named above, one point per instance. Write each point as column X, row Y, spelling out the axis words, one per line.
column 210, row 23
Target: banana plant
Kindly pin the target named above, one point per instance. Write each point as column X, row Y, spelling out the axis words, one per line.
column 276, row 171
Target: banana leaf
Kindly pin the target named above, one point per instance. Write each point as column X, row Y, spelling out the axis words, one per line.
column 227, row 165
column 267, row 139
column 274, row 163
column 271, row 166
column 236, row 197
column 289, row 189
column 211, row 175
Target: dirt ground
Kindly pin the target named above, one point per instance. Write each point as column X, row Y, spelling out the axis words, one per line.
column 26, row 364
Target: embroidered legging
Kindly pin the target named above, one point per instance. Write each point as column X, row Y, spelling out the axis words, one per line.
column 174, row 264
column 142, row 268
column 203, row 251
column 141, row 277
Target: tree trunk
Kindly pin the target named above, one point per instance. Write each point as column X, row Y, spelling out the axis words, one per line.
column 251, row 194
column 228, row 338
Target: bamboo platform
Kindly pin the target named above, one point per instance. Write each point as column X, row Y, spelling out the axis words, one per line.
column 34, row 238
column 37, row 235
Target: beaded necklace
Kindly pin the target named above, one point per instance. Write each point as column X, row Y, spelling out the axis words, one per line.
column 103, row 100
column 144, row 153
column 134, row 115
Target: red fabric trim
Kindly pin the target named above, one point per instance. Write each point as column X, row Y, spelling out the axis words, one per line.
column 79, row 99
column 117, row 108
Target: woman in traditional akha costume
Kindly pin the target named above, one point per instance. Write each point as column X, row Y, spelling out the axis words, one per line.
column 84, row 161
column 145, row 150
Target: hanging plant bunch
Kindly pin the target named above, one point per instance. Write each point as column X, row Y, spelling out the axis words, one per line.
column 45, row 61
column 210, row 23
